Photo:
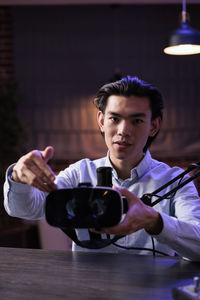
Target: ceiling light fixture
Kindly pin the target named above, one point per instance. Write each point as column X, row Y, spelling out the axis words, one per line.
column 185, row 40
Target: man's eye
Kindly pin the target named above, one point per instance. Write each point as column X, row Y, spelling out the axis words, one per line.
column 114, row 119
column 137, row 121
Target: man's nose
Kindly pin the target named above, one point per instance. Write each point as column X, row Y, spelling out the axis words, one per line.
column 124, row 128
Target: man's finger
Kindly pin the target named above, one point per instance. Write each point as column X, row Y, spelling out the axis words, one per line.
column 120, row 229
column 37, row 182
column 123, row 191
column 40, row 159
column 42, row 170
column 48, row 153
column 130, row 197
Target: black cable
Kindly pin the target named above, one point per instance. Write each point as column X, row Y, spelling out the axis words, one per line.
column 137, row 248
column 153, row 246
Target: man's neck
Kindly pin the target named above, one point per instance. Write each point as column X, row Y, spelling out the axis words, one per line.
column 123, row 167
column 123, row 173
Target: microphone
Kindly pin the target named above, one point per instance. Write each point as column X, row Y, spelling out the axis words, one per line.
column 104, row 178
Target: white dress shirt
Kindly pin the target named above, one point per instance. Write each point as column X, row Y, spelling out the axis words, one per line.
column 180, row 213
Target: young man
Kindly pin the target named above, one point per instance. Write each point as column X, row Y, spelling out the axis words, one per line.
column 129, row 117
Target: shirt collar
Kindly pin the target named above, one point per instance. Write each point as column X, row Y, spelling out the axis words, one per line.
column 141, row 169
column 109, row 164
column 144, row 165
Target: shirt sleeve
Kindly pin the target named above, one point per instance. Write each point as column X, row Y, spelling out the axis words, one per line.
column 181, row 232
column 22, row 200
column 26, row 202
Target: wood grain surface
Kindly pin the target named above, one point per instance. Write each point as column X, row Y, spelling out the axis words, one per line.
column 32, row 274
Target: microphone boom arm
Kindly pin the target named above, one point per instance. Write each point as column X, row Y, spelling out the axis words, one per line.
column 146, row 198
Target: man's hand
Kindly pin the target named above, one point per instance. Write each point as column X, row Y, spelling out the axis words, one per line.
column 139, row 216
column 33, row 169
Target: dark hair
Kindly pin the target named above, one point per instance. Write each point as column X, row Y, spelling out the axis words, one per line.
column 132, row 86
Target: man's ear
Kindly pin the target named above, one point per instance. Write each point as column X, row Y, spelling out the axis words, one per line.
column 155, row 126
column 100, row 120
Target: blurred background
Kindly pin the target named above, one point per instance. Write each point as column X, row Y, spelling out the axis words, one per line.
column 55, row 55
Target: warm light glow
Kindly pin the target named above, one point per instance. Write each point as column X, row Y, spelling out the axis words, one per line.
column 185, row 49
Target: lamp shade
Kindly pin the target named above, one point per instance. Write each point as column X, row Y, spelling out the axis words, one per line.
column 184, row 41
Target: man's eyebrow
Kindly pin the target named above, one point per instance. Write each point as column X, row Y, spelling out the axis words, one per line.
column 136, row 115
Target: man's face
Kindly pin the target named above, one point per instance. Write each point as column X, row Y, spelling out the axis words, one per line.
column 127, row 125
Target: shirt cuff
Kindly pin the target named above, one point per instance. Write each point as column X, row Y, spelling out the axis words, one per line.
column 16, row 187
column 169, row 231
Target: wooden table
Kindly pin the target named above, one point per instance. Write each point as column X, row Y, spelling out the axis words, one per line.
column 30, row 274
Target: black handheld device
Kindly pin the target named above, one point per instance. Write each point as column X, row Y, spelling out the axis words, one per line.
column 86, row 206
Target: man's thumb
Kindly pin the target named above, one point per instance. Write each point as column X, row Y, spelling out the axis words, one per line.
column 48, row 153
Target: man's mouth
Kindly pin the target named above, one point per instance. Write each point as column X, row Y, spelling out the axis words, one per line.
column 122, row 144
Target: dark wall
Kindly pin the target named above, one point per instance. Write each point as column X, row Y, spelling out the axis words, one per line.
column 63, row 54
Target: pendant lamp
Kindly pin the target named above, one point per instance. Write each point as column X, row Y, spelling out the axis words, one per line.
column 185, row 40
